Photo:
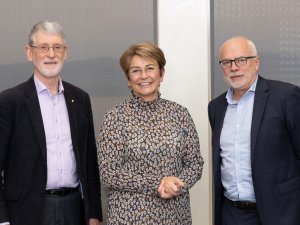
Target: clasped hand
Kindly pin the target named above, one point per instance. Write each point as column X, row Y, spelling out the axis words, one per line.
column 170, row 187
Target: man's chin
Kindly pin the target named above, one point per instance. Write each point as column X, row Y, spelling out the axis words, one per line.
column 50, row 74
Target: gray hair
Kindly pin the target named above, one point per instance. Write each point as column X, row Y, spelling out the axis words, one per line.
column 50, row 27
column 250, row 44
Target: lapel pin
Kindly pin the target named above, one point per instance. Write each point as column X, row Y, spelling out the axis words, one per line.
column 73, row 100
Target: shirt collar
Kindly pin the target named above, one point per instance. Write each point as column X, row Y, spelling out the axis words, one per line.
column 229, row 95
column 40, row 87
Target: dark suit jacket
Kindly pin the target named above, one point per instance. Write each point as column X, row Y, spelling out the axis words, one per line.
column 23, row 153
column 275, row 151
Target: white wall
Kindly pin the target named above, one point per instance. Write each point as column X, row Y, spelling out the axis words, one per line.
column 184, row 36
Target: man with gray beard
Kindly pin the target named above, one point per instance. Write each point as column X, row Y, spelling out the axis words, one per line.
column 47, row 147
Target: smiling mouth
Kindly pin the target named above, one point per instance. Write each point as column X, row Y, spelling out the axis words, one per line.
column 235, row 76
column 145, row 84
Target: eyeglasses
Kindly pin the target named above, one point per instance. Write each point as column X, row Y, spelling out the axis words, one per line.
column 136, row 71
column 241, row 61
column 45, row 48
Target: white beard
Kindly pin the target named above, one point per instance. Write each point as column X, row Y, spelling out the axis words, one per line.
column 49, row 73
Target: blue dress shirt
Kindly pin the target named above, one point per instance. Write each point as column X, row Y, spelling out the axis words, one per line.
column 235, row 143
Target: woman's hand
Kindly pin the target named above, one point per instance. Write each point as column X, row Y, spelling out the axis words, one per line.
column 170, row 187
column 94, row 222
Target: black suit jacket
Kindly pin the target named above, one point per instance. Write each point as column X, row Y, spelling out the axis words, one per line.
column 275, row 151
column 23, row 158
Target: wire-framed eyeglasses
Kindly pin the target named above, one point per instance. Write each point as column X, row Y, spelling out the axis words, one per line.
column 45, row 48
column 137, row 71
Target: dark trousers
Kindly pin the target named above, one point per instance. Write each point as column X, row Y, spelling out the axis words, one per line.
column 235, row 216
column 62, row 210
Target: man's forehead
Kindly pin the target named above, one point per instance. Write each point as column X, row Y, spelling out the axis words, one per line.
column 235, row 50
column 42, row 36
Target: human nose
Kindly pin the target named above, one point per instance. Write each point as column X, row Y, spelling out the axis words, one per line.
column 143, row 73
column 51, row 52
column 234, row 67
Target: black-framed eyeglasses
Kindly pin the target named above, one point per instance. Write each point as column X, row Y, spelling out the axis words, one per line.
column 45, row 48
column 241, row 61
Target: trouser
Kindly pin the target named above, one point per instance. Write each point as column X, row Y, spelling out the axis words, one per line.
column 232, row 215
column 63, row 210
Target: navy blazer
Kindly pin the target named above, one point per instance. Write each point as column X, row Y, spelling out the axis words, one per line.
column 23, row 157
column 275, row 151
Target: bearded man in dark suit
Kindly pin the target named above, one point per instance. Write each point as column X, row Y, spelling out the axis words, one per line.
column 48, row 153
column 255, row 143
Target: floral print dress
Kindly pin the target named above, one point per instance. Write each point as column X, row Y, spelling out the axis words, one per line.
column 139, row 144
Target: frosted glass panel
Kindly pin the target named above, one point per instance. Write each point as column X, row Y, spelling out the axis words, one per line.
column 273, row 25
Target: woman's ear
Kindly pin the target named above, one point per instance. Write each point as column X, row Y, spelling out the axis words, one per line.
column 128, row 83
column 162, row 74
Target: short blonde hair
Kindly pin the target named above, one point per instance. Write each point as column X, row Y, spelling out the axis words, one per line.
column 145, row 50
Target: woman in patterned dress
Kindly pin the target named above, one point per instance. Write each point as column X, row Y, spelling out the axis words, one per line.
column 148, row 148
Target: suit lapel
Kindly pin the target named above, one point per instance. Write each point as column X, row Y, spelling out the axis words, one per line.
column 261, row 96
column 35, row 115
column 220, row 111
column 218, row 124
column 71, row 103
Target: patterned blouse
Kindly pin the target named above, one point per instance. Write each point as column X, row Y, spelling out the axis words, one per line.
column 139, row 144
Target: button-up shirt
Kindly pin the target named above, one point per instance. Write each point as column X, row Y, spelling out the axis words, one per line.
column 235, row 143
column 61, row 163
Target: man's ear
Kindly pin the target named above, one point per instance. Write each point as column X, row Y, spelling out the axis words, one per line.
column 257, row 63
column 28, row 52
column 66, row 53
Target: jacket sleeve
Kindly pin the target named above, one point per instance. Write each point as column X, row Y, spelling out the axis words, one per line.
column 5, row 133
column 292, row 112
column 93, row 180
